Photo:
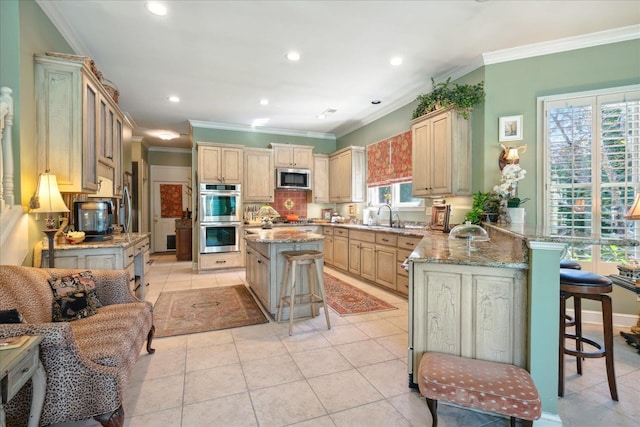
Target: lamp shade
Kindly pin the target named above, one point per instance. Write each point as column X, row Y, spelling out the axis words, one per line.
column 634, row 212
column 267, row 210
column 48, row 195
column 512, row 154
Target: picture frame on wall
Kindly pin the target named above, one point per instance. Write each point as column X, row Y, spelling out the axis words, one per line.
column 510, row 128
column 326, row 214
column 440, row 217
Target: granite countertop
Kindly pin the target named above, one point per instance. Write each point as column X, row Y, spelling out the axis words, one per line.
column 407, row 231
column 120, row 240
column 531, row 233
column 282, row 235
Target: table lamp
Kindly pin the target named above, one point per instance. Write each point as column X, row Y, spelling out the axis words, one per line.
column 47, row 199
column 634, row 215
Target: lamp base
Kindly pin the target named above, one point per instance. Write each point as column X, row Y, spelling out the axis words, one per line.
column 50, row 234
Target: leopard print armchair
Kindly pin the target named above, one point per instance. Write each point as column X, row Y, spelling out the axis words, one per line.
column 87, row 361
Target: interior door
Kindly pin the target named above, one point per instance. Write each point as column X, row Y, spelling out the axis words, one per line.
column 170, row 198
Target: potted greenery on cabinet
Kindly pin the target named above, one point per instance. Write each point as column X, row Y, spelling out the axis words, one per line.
column 445, row 94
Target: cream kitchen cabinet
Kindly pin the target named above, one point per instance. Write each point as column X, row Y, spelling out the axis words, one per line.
column 361, row 253
column 471, row 311
column 259, row 177
column 385, row 260
column 292, row 156
column 341, row 248
column 320, row 183
column 347, row 175
column 328, row 245
column 441, row 154
column 219, row 163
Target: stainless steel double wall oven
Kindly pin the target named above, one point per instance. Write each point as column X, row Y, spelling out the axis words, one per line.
column 220, row 219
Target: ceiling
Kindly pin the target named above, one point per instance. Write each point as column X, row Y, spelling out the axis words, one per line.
column 222, row 57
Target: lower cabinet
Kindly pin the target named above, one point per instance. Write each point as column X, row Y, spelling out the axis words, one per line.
column 328, row 245
column 341, row 249
column 219, row 261
column 386, row 259
column 470, row 311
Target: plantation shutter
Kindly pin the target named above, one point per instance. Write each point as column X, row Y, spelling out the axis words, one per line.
column 592, row 168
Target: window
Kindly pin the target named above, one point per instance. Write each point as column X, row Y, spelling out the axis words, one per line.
column 592, row 170
column 400, row 196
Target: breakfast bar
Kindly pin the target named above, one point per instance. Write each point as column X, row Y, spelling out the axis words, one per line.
column 265, row 264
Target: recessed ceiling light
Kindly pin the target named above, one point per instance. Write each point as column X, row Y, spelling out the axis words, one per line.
column 156, row 8
column 376, row 102
column 264, row 101
column 173, row 98
column 293, row 56
column 323, row 115
column 259, row 122
column 166, row 135
column 396, row 61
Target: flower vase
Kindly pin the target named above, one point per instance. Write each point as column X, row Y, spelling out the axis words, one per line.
column 503, row 213
column 517, row 215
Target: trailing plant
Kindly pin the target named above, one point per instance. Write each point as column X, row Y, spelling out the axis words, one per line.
column 444, row 95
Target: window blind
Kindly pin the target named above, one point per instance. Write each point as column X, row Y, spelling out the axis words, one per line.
column 389, row 161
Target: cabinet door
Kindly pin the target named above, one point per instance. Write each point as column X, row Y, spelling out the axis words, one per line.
column 231, row 165
column 357, row 166
column 334, row 179
column 368, row 261
column 320, row 185
column 419, row 158
column 209, row 159
column 341, row 253
column 328, row 250
column 101, row 262
column 303, row 158
column 354, row 256
column 283, row 157
column 440, row 154
column 386, row 266
column 258, row 176
column 117, row 157
column 90, row 134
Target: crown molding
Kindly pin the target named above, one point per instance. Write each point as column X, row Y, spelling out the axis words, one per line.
column 63, row 26
column 260, row 129
column 562, row 45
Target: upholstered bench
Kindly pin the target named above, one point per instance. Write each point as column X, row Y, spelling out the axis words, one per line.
column 480, row 384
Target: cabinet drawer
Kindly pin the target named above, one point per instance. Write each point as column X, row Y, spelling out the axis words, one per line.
column 403, row 254
column 215, row 261
column 365, row 236
column 341, row 232
column 386, row 239
column 327, row 231
column 21, row 373
column 129, row 253
column 147, row 264
column 142, row 246
column 131, row 270
column 406, row 242
column 402, row 283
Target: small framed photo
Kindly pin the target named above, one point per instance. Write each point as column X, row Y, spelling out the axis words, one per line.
column 440, row 217
column 352, row 210
column 510, row 128
column 326, row 214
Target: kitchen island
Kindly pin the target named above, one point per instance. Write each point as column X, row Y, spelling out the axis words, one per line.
column 265, row 265
column 127, row 251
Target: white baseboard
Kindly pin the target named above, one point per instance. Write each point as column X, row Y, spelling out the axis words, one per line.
column 595, row 317
column 548, row 420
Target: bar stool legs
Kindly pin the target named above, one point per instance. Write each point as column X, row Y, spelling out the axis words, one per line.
column 313, row 261
column 584, row 285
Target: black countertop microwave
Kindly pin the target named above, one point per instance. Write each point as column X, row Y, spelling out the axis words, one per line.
column 293, row 178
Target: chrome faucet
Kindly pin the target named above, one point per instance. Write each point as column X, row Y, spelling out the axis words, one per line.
column 390, row 213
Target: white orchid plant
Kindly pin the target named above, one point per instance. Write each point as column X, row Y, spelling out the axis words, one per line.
column 511, row 174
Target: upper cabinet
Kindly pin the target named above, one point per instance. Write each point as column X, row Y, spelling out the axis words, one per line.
column 219, row 164
column 320, row 192
column 441, row 154
column 79, row 127
column 258, row 175
column 347, row 175
column 292, row 156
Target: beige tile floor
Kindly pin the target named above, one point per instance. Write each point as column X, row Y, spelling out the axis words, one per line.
column 352, row 375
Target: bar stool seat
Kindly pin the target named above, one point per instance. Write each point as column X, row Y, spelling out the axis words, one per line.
column 584, row 284
column 314, row 297
column 569, row 263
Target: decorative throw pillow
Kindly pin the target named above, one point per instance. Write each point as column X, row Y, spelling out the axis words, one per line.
column 74, row 297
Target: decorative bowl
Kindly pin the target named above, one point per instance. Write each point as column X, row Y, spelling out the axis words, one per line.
column 75, row 237
column 292, row 217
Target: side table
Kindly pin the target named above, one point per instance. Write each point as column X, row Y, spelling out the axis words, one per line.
column 628, row 283
column 17, row 366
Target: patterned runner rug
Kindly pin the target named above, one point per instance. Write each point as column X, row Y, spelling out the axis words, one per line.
column 208, row 309
column 347, row 299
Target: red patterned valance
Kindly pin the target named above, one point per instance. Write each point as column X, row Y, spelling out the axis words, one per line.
column 389, row 161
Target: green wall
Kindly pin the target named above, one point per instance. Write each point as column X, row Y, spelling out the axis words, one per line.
column 170, row 157
column 260, row 139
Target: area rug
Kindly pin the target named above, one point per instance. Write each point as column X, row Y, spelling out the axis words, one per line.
column 347, row 299
column 207, row 309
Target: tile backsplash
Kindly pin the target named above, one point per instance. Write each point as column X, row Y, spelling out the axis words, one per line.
column 296, row 199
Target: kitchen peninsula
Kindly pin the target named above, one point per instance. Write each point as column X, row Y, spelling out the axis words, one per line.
column 129, row 251
column 265, row 264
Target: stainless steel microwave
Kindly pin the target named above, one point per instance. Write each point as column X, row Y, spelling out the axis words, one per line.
column 293, row 178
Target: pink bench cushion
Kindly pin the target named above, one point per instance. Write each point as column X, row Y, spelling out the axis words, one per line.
column 488, row 386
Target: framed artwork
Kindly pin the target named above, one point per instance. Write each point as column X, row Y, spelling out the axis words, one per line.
column 510, row 128
column 352, row 210
column 326, row 214
column 440, row 217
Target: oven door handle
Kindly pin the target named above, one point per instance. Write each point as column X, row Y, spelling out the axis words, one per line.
column 221, row 224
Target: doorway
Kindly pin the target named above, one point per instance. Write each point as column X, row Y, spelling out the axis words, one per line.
column 170, row 196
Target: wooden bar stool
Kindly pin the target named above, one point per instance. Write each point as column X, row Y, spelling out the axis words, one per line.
column 315, row 296
column 583, row 284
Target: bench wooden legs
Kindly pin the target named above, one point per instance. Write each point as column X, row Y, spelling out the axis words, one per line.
column 152, row 331
column 113, row 419
column 432, row 404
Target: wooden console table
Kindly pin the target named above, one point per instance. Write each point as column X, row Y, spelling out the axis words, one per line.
column 17, row 366
column 633, row 338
